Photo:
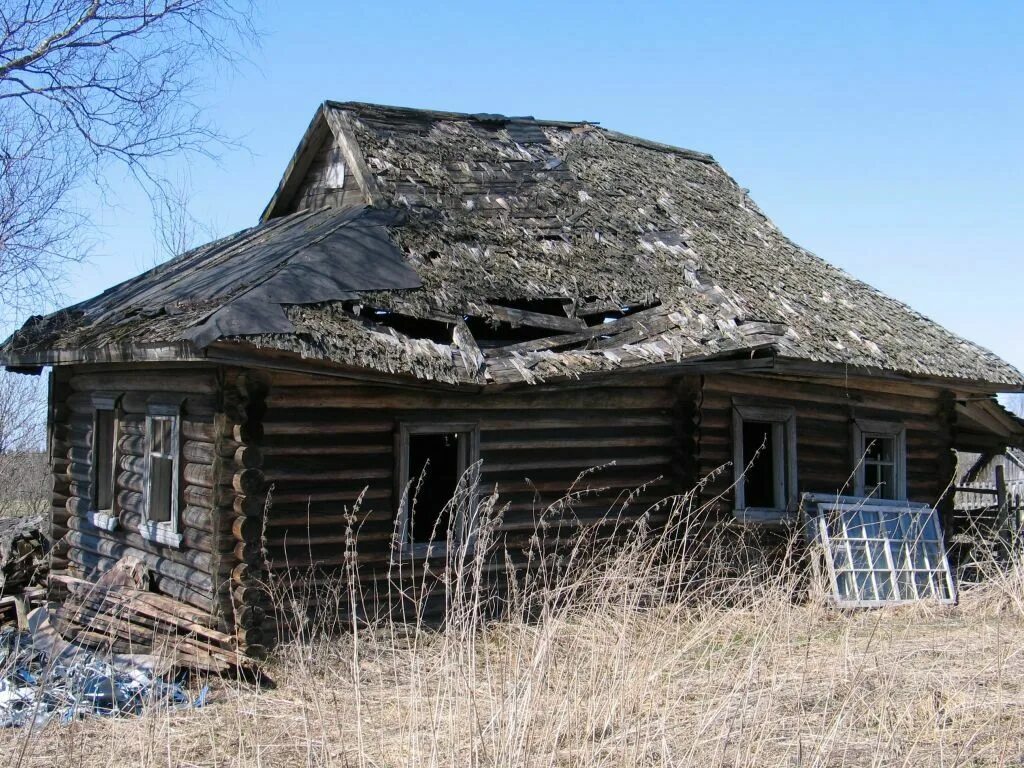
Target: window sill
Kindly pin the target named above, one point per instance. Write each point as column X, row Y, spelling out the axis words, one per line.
column 160, row 534
column 763, row 516
column 104, row 520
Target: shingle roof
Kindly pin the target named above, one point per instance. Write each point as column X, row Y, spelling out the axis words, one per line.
column 583, row 249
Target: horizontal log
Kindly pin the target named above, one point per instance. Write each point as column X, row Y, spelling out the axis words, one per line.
column 112, row 550
column 249, row 481
column 375, row 397
column 251, row 432
column 274, row 475
column 248, row 529
column 174, row 381
column 88, row 562
column 191, row 538
column 175, row 563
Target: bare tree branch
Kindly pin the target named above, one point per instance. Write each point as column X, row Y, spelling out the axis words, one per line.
column 89, row 83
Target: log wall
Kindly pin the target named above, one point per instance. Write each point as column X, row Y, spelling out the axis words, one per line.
column 825, row 410
column 195, row 573
column 290, row 478
column 328, row 442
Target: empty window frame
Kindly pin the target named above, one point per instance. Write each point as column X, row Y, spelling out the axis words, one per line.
column 764, row 458
column 163, row 473
column 880, row 458
column 104, row 458
column 883, row 552
column 435, row 494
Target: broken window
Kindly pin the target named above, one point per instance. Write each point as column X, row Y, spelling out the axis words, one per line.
column 880, row 456
column 163, row 424
column 435, row 497
column 880, row 552
column 103, row 461
column 764, row 458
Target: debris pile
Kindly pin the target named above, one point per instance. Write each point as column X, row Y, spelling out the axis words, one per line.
column 23, row 565
column 23, row 548
column 116, row 614
column 43, row 679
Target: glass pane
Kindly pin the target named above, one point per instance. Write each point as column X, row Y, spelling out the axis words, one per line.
column 161, row 436
column 897, row 554
column 161, row 485
column 879, row 449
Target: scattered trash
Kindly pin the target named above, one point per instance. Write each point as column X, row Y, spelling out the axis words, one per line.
column 42, row 679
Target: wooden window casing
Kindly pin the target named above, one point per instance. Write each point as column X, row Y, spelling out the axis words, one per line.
column 468, row 452
column 163, row 474
column 781, row 450
column 880, row 452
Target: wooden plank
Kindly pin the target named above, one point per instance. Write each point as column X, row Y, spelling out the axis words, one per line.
column 519, row 317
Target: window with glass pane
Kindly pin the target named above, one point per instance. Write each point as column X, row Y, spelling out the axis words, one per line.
column 879, row 453
column 884, row 553
column 880, row 459
column 103, row 460
column 163, row 461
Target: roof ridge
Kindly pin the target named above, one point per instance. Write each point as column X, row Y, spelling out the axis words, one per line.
column 494, row 117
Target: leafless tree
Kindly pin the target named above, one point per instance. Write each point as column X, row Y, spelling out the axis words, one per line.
column 22, row 430
column 85, row 85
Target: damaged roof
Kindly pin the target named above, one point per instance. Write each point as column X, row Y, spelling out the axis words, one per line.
column 482, row 248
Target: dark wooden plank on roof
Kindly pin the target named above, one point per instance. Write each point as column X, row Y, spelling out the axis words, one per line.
column 535, row 319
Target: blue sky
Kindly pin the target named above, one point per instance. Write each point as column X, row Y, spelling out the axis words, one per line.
column 884, row 137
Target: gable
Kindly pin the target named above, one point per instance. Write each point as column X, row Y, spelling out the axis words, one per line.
column 326, row 182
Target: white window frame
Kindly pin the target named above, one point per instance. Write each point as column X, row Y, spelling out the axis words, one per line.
column 469, row 454
column 865, row 430
column 106, row 519
column 167, row 532
column 783, row 421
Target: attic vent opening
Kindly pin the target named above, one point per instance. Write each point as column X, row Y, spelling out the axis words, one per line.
column 407, row 325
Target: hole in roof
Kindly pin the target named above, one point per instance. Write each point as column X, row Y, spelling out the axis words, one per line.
column 407, row 325
column 548, row 306
column 490, row 334
column 611, row 315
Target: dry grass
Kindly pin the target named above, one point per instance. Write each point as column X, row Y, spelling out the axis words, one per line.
column 751, row 667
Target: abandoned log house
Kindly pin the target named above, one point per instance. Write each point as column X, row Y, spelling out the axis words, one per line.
column 532, row 297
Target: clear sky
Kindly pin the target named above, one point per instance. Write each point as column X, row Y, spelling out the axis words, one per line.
column 885, row 137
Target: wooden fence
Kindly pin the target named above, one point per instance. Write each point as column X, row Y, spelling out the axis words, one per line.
column 989, row 516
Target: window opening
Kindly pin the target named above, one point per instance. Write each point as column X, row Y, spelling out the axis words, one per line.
column 104, row 443
column 764, row 457
column 759, row 460
column 880, row 455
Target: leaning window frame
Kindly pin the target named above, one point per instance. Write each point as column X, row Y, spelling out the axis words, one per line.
column 872, row 428
column 167, row 532
column 783, row 421
column 469, row 454
column 105, row 519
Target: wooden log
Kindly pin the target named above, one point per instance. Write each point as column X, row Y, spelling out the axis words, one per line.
column 252, row 505
column 254, row 384
column 251, row 432
column 249, row 481
column 148, row 382
column 91, row 562
column 131, row 481
column 188, row 567
column 200, row 431
column 247, row 529
column 202, row 475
